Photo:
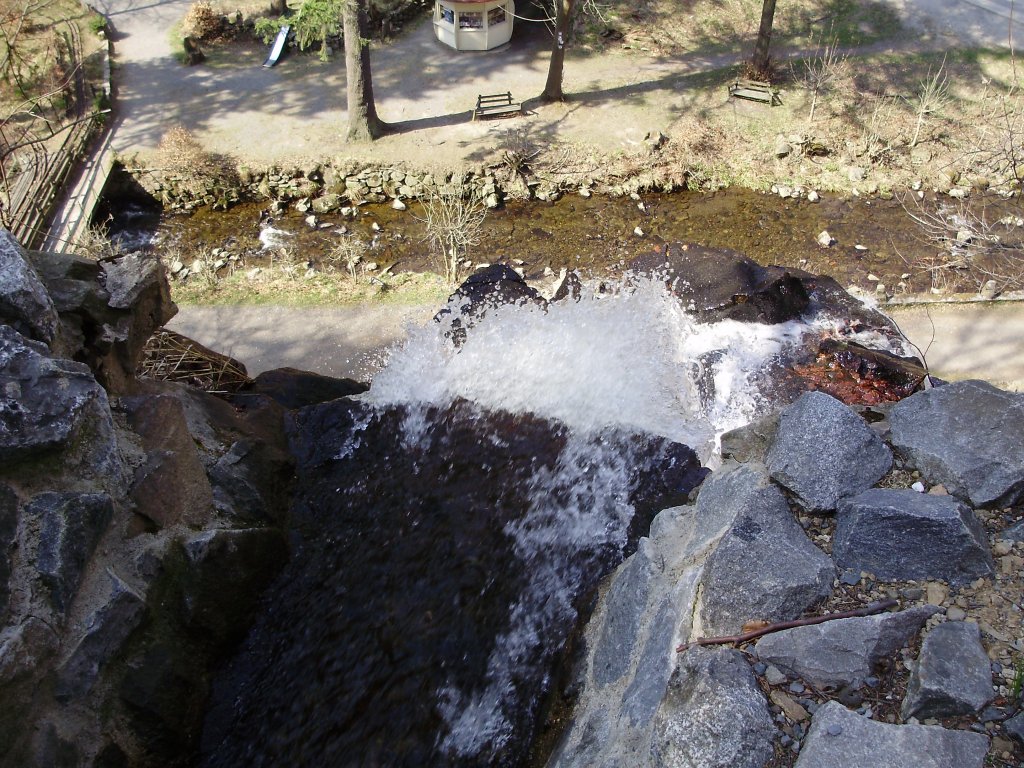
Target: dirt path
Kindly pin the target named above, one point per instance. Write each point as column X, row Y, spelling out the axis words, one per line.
column 296, row 110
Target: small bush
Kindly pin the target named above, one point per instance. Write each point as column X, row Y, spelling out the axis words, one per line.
column 98, row 24
column 266, row 29
column 199, row 171
column 201, row 21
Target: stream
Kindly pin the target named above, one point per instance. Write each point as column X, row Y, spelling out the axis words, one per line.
column 873, row 237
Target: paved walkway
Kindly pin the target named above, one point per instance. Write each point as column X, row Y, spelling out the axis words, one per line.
column 960, row 341
column 969, row 341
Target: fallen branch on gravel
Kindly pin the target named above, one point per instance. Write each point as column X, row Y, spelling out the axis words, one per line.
column 867, row 610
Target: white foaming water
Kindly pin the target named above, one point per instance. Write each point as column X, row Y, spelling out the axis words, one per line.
column 633, row 361
column 271, row 237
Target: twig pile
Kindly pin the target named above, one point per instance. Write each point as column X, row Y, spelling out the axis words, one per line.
column 169, row 356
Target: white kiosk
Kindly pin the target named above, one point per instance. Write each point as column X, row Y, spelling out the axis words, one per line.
column 473, row 25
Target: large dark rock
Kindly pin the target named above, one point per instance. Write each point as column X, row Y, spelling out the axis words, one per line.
column 70, row 526
column 171, row 485
column 823, row 452
column 435, row 581
column 714, row 714
column 763, row 538
column 952, row 674
column 26, row 650
column 104, row 635
column 292, row 388
column 485, row 289
column 107, row 310
column 46, row 404
column 839, row 737
column 903, row 534
column 24, row 302
column 226, row 572
column 845, row 651
column 8, row 530
column 719, row 284
column 966, row 436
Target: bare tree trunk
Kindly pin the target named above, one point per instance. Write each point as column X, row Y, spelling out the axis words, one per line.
column 764, row 36
column 363, row 123
column 563, row 28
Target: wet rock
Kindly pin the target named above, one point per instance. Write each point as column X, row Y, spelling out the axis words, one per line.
column 293, row 388
column 24, row 302
column 824, row 452
column 952, row 674
column 70, row 526
column 327, row 203
column 902, row 534
column 844, row 651
column 48, row 403
column 104, row 635
column 171, row 486
column 840, row 737
column 489, row 287
column 356, row 614
column 751, row 441
column 958, row 435
column 856, row 375
column 825, row 240
column 792, row 574
column 714, row 714
column 719, row 284
column 227, row 572
column 568, row 286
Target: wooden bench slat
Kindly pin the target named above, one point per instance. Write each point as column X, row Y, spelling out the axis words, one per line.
column 496, row 105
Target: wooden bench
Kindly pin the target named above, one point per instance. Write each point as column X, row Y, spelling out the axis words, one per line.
column 496, row 105
column 755, row 90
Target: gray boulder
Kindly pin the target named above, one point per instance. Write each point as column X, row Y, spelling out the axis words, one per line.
column 962, row 435
column 751, row 441
column 1015, row 532
column 839, row 737
column 108, row 310
column 714, row 714
column 823, row 452
column 24, row 302
column 626, row 600
column 764, row 567
column 1015, row 727
column 46, row 402
column 70, row 526
column 952, row 674
column 106, row 631
column 902, row 534
column 844, row 651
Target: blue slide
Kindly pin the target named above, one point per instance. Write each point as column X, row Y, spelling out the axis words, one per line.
column 275, row 52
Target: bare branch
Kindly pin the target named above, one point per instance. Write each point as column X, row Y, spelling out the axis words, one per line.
column 867, row 610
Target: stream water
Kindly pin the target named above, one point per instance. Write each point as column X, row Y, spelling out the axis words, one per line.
column 873, row 237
